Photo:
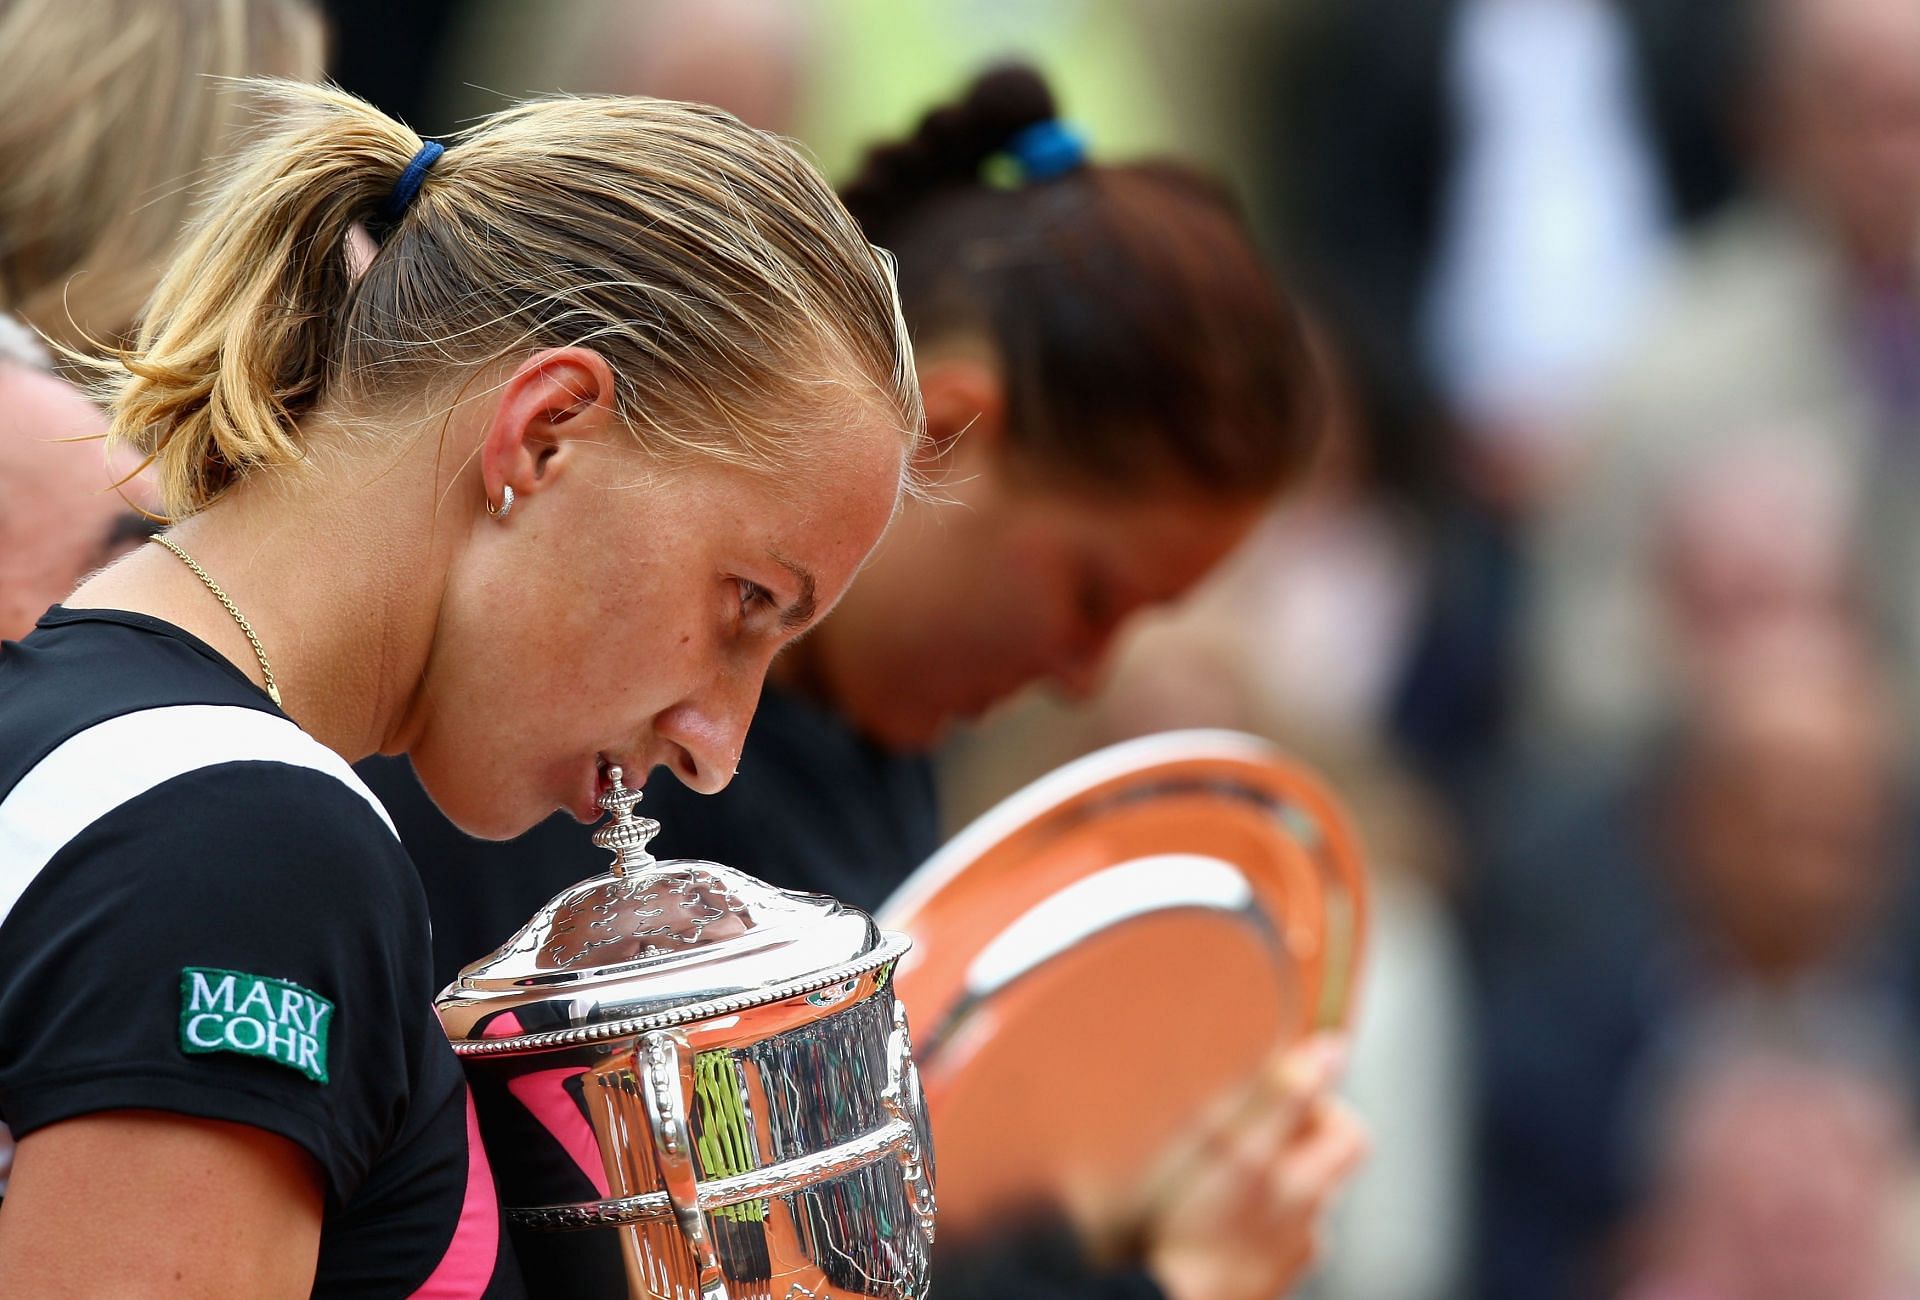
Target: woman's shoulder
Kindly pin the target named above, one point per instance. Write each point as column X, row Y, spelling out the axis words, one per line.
column 203, row 910
column 238, row 939
column 203, row 797
column 138, row 754
column 131, row 691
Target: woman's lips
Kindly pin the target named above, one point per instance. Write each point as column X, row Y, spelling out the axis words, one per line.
column 600, row 780
column 586, row 804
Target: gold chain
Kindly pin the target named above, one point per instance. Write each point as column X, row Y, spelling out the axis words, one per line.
column 266, row 669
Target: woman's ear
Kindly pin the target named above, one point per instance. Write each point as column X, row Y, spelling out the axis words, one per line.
column 966, row 411
column 552, row 400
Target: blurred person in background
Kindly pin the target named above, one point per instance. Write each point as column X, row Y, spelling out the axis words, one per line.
column 836, row 73
column 1794, row 319
column 1758, row 861
column 1360, row 618
column 754, row 58
column 1781, row 1170
column 111, row 117
column 1115, row 388
column 1752, row 537
column 1488, row 188
column 59, row 514
column 1475, row 196
column 1478, row 198
column 1327, row 630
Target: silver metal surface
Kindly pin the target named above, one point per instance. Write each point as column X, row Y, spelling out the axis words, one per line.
column 651, row 944
column 890, row 1139
column 720, row 1067
column 667, row 1093
column 626, row 836
column 908, row 1107
column 889, row 950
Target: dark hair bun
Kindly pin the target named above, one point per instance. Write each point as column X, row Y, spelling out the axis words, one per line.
column 948, row 146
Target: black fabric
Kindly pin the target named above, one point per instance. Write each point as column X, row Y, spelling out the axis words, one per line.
column 815, row 806
column 1042, row 1261
column 267, row 869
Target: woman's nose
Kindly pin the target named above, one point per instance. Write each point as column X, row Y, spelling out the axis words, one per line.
column 709, row 732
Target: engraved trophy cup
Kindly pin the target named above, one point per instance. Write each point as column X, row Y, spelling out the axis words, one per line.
column 699, row 1087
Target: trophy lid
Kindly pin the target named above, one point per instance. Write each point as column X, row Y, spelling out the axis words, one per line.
column 652, row 943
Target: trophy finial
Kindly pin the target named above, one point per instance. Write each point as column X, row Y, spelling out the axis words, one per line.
column 626, row 835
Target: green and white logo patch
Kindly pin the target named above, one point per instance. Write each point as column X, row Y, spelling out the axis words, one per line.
column 232, row 1011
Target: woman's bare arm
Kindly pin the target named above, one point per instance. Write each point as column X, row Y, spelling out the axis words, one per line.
column 149, row 1204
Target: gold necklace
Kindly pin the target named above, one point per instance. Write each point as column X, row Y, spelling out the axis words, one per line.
column 266, row 669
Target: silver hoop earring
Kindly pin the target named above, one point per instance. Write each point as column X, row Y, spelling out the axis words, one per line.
column 506, row 503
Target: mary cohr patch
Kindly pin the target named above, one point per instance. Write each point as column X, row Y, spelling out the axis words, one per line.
column 252, row 1015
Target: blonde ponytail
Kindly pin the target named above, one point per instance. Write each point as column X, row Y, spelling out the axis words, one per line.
column 236, row 343
column 712, row 266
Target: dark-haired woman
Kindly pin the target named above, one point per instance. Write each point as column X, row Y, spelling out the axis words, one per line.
column 1114, row 390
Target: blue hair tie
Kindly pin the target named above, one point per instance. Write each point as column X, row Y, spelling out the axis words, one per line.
column 408, row 185
column 1048, row 149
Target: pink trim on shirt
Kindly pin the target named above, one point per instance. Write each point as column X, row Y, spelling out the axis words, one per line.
column 544, row 1095
column 466, row 1270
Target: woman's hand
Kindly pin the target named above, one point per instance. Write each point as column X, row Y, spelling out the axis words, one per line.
column 1243, row 1219
column 141, row 1203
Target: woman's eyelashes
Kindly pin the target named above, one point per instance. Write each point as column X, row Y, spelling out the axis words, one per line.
column 754, row 598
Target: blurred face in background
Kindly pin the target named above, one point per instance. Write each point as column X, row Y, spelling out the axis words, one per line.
column 1010, row 577
column 750, row 57
column 60, row 517
column 1842, row 107
column 1790, row 799
column 1755, row 535
column 1783, row 1181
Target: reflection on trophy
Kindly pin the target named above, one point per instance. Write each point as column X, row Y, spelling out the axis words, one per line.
column 1111, row 954
column 696, row 1086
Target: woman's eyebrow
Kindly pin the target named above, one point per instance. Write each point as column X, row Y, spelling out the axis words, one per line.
column 801, row 612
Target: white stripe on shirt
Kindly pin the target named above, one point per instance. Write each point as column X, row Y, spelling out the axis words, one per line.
column 94, row 771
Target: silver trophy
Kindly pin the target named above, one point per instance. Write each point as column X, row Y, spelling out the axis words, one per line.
column 719, row 1067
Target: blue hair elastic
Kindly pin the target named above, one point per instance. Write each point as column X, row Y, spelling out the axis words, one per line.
column 408, row 185
column 1048, row 149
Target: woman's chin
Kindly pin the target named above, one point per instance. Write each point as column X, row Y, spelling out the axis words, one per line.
column 484, row 817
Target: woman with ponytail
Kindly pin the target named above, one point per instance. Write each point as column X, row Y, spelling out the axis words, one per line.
column 1115, row 390
column 521, row 455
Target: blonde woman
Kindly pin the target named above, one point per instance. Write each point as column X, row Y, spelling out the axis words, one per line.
column 110, row 118
column 613, row 410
